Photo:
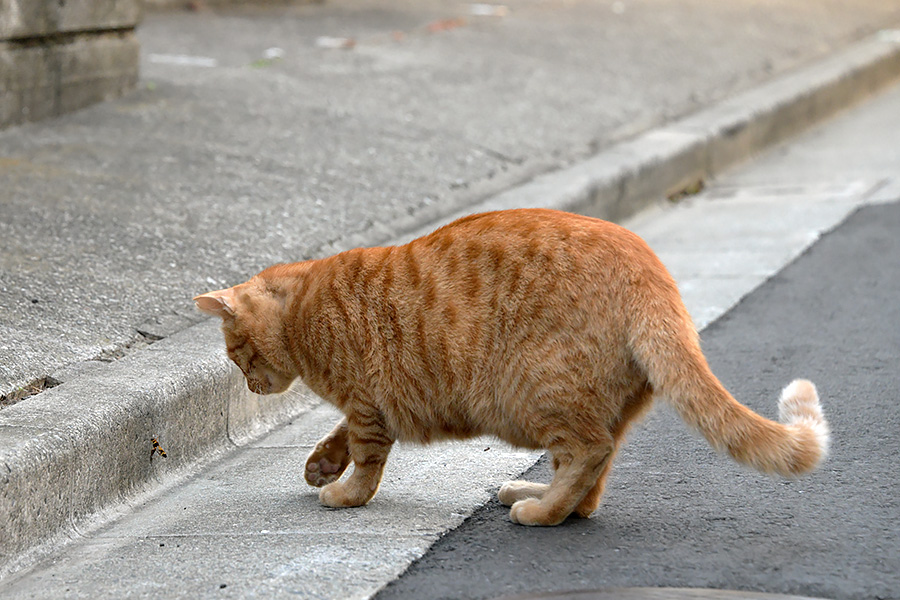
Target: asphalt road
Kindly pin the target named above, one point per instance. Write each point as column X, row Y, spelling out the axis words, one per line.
column 675, row 514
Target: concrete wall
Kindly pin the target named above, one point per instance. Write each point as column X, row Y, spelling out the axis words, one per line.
column 61, row 55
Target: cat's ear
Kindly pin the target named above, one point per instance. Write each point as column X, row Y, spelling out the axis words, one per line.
column 219, row 303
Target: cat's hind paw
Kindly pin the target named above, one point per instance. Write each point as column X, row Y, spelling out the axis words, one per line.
column 513, row 491
column 531, row 512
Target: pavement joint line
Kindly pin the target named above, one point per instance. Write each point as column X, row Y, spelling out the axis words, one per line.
column 76, row 463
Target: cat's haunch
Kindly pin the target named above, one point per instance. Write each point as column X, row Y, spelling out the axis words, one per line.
column 545, row 329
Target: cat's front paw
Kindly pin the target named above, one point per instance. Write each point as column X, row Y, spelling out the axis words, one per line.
column 326, row 463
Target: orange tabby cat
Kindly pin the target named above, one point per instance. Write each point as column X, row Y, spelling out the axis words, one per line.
column 546, row 329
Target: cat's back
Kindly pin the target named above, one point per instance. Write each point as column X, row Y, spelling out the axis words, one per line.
column 549, row 242
column 486, row 255
column 538, row 225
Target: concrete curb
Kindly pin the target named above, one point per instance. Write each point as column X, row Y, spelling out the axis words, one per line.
column 86, row 445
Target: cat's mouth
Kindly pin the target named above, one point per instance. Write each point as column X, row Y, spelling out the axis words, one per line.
column 269, row 383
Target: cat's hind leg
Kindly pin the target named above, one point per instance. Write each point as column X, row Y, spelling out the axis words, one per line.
column 329, row 458
column 513, row 491
column 578, row 472
column 636, row 406
column 369, row 446
column 591, row 501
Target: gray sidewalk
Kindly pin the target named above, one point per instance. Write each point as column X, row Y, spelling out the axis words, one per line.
column 225, row 161
column 247, row 526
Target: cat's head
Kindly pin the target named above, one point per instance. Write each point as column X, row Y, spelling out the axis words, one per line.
column 252, row 321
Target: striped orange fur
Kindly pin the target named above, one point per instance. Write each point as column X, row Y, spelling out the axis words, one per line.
column 545, row 329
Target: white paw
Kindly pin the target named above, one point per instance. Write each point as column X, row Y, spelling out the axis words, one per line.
column 332, row 495
column 513, row 491
column 526, row 512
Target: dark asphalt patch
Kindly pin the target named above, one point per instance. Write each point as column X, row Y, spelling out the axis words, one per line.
column 677, row 515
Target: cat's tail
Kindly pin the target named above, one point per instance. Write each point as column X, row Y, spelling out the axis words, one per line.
column 678, row 371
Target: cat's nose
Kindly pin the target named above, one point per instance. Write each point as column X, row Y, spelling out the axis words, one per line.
column 258, row 387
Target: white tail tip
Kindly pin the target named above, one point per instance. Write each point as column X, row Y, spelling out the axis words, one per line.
column 799, row 406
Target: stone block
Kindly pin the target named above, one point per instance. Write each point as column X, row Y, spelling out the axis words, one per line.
column 24, row 19
column 192, row 5
column 95, row 68
column 61, row 55
column 43, row 80
column 27, row 84
column 93, row 15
